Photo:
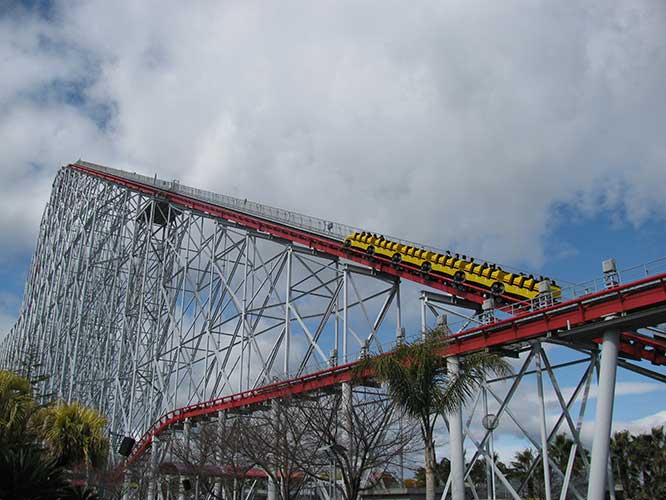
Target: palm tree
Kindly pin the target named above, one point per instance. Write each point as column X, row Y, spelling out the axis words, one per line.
column 442, row 471
column 419, row 382
column 639, row 463
column 27, row 473
column 74, row 434
column 16, row 408
column 521, row 467
column 78, row 493
column 559, row 450
column 648, row 454
column 658, row 460
column 624, row 469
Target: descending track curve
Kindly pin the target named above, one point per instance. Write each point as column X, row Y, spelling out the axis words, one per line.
column 583, row 319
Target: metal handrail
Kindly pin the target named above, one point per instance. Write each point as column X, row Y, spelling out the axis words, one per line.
column 323, row 227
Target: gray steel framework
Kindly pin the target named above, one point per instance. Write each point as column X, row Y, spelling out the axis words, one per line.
column 136, row 306
column 559, row 412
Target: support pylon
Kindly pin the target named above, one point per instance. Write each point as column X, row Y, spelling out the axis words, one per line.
column 271, row 490
column 542, row 425
column 456, row 442
column 187, row 428
column 604, row 417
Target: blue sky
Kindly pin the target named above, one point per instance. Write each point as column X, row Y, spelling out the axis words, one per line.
column 529, row 133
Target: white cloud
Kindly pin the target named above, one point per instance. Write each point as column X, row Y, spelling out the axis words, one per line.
column 621, row 389
column 8, row 309
column 449, row 123
column 524, row 407
column 6, row 323
column 639, row 425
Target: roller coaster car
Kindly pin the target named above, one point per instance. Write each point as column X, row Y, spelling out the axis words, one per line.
column 460, row 269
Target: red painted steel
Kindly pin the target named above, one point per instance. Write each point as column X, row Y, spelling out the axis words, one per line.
column 623, row 300
column 641, row 347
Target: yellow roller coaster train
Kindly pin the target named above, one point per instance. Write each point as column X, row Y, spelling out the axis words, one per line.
column 460, row 269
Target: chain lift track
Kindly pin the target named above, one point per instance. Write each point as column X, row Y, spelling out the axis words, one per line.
column 284, row 225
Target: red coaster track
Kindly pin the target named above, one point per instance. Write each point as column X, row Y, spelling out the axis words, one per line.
column 580, row 321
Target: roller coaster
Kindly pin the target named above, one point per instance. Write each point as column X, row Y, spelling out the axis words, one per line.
column 452, row 273
column 160, row 305
column 460, row 269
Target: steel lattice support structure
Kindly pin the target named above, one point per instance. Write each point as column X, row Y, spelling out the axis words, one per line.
column 162, row 305
column 563, row 414
column 136, row 306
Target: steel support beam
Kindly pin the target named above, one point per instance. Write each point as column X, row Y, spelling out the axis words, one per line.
column 271, row 490
column 456, row 441
column 152, row 478
column 542, row 425
column 604, row 416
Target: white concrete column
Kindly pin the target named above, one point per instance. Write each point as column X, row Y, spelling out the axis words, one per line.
column 287, row 315
column 456, row 442
column 346, row 409
column 271, row 486
column 221, row 417
column 126, row 485
column 345, row 312
column 400, row 330
column 604, row 418
column 424, row 323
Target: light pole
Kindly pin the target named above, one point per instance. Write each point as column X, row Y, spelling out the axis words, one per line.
column 490, row 423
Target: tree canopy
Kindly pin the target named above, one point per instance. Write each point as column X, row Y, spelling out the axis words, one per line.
column 40, row 445
column 17, row 406
column 73, row 433
column 420, row 382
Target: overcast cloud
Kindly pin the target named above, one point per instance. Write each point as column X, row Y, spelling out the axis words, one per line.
column 465, row 123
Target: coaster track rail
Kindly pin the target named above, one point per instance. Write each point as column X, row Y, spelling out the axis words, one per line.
column 316, row 241
column 581, row 320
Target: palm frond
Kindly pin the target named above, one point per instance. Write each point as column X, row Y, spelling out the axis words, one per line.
column 483, row 364
column 472, row 372
column 74, row 433
column 16, row 407
column 419, row 381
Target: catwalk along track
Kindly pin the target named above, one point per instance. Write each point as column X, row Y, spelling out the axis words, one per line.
column 456, row 274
